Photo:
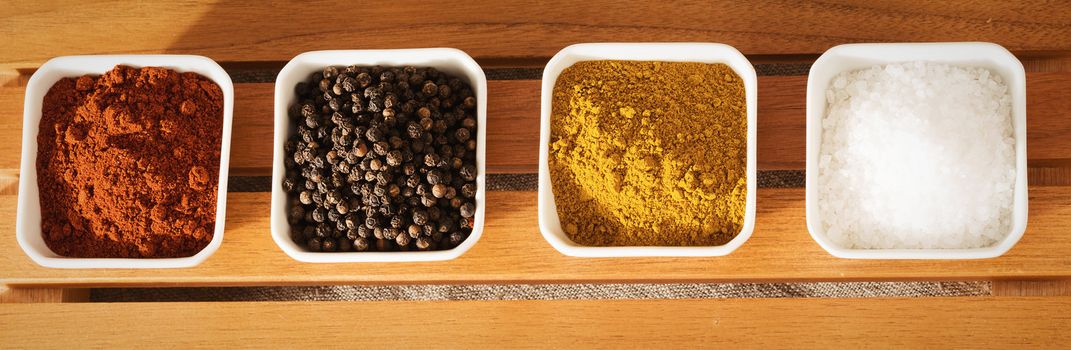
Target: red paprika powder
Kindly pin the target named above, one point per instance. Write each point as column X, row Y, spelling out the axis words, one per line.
column 128, row 163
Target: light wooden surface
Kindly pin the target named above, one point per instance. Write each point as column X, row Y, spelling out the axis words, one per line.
column 512, row 250
column 975, row 323
column 513, row 124
column 499, row 31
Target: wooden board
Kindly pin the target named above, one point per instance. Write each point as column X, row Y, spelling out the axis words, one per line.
column 513, row 124
column 976, row 323
column 500, row 31
column 512, row 250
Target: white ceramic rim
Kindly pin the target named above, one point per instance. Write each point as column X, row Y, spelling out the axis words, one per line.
column 447, row 60
column 28, row 220
column 550, row 224
column 988, row 55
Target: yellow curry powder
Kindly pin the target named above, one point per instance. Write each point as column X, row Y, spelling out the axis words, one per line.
column 649, row 153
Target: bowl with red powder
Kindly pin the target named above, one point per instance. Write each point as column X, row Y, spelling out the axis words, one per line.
column 124, row 161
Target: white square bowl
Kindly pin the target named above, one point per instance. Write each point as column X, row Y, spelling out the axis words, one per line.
column 451, row 61
column 859, row 56
column 28, row 221
column 550, row 224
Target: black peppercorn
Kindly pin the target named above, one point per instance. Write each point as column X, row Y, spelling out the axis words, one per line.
column 420, row 217
column 290, row 184
column 374, row 135
column 390, row 233
column 332, row 215
column 360, row 150
column 364, row 79
column 381, row 148
column 414, row 130
column 306, row 197
column 360, row 244
column 330, row 72
column 468, row 210
column 383, row 177
column 428, row 200
column 329, row 245
column 423, row 243
column 439, row 190
column 402, row 240
column 444, row 227
column 434, row 177
column 468, row 172
column 432, row 160
column 468, row 191
column 429, row 88
column 394, row 158
column 414, row 230
column 462, row 134
column 333, row 197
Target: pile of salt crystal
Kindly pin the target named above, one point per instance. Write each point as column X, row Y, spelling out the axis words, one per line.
column 917, row 155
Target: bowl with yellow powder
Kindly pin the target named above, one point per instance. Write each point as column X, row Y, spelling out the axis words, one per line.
column 647, row 149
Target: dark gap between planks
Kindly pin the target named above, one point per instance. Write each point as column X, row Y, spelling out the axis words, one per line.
column 584, row 291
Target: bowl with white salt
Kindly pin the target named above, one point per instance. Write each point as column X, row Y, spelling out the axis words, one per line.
column 916, row 151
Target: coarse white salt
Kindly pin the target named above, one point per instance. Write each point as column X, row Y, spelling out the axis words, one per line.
column 917, row 155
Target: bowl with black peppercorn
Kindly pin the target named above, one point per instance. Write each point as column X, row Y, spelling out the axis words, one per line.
column 379, row 155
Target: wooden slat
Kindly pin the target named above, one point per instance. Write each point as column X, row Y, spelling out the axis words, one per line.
column 975, row 323
column 513, row 119
column 512, row 250
column 509, row 31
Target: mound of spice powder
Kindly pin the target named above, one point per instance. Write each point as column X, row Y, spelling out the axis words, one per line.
column 649, row 153
column 128, row 164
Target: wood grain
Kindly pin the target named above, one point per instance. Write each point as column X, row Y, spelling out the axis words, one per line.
column 507, row 31
column 1032, row 288
column 975, row 323
column 42, row 295
column 513, row 124
column 512, row 250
